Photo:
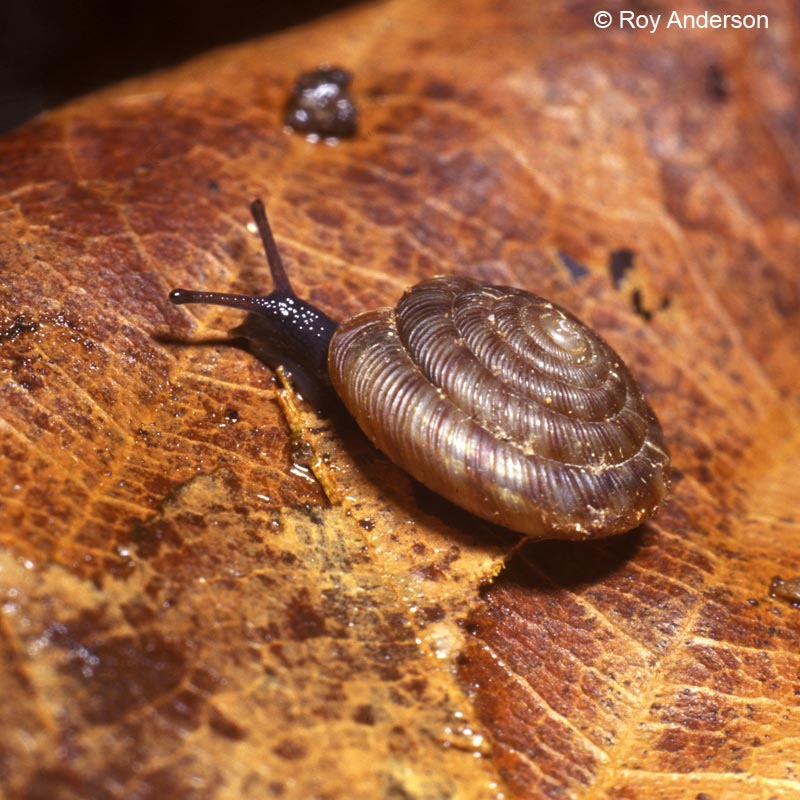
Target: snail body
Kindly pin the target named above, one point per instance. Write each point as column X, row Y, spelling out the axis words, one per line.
column 499, row 400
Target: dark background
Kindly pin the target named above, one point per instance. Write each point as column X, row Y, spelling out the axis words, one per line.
column 51, row 50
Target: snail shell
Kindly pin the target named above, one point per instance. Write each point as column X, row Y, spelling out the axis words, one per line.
column 506, row 405
column 497, row 399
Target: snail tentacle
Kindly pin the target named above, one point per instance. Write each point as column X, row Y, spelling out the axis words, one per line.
column 281, row 328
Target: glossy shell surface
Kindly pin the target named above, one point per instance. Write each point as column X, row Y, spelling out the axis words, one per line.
column 505, row 404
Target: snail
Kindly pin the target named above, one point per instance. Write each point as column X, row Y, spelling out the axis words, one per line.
column 498, row 400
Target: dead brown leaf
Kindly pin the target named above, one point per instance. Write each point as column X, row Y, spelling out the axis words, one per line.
column 188, row 611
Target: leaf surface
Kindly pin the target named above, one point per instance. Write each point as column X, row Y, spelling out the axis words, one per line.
column 208, row 591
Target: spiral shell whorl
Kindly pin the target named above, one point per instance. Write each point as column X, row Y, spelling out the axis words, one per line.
column 505, row 404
